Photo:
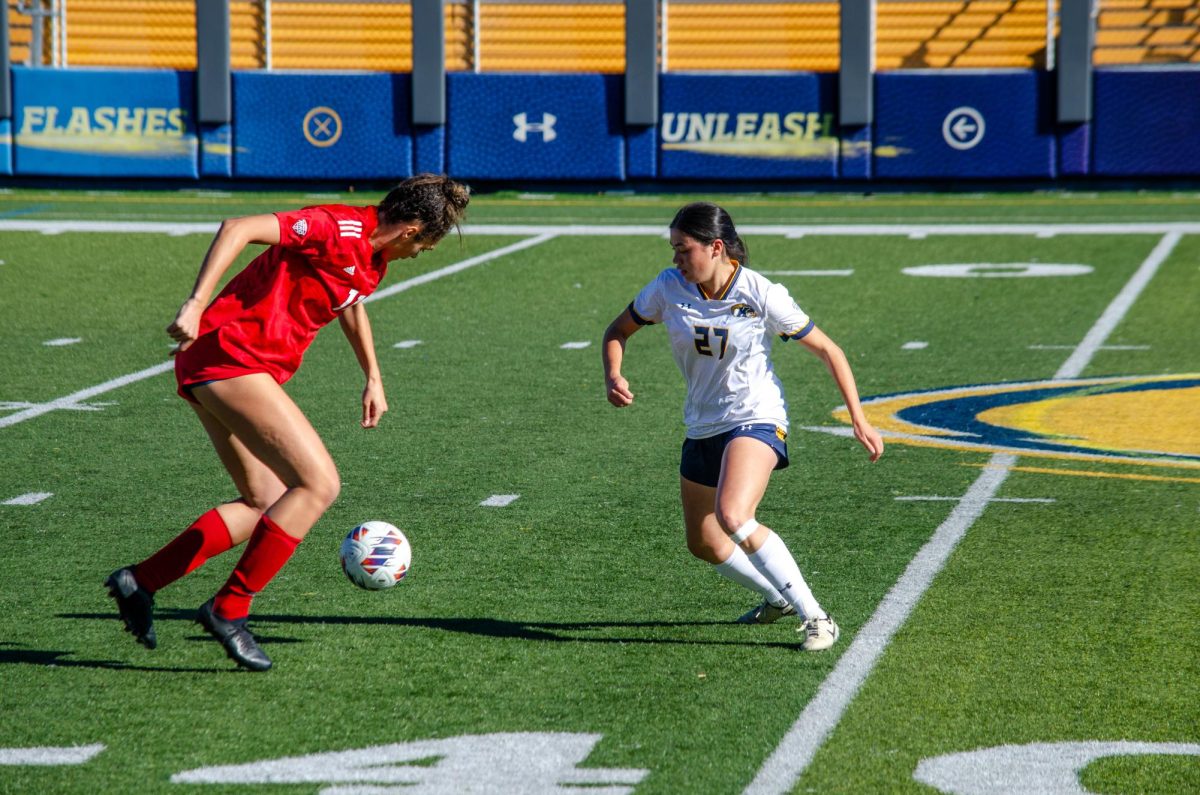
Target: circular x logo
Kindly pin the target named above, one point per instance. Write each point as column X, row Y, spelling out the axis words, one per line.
column 322, row 126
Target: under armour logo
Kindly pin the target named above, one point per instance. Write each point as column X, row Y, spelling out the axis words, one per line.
column 524, row 127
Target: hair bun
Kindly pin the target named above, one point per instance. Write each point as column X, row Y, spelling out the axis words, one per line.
column 456, row 193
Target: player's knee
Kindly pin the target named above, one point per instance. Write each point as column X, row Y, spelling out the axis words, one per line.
column 738, row 533
column 732, row 517
column 325, row 486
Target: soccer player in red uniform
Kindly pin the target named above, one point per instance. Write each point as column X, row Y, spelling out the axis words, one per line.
column 232, row 360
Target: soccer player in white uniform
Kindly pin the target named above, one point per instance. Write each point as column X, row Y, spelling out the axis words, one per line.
column 721, row 318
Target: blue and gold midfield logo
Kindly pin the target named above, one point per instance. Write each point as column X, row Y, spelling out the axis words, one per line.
column 1149, row 420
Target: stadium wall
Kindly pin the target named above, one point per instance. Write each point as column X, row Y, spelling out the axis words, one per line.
column 927, row 125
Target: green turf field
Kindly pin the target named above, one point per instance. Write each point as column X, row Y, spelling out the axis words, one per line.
column 1018, row 579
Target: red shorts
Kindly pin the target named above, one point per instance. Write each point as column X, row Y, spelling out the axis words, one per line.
column 207, row 360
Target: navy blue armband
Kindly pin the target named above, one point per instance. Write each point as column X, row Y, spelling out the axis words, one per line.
column 641, row 321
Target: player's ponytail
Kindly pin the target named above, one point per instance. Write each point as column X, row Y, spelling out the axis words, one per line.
column 706, row 222
column 437, row 201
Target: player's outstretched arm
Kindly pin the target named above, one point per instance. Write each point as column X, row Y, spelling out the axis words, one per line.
column 357, row 329
column 612, row 351
column 839, row 367
column 232, row 238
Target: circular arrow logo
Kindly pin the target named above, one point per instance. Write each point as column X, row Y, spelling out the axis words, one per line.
column 963, row 128
column 322, row 126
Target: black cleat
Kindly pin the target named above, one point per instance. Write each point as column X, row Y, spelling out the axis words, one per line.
column 238, row 642
column 135, row 605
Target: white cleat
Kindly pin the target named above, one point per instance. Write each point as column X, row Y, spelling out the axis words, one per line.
column 819, row 633
column 766, row 613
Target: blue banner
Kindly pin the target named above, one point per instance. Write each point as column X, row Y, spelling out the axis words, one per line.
column 69, row 122
column 322, row 126
column 1146, row 122
column 503, row 126
column 964, row 124
column 748, row 127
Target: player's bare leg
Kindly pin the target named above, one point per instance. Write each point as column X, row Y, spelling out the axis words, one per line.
column 745, row 470
column 707, row 541
column 220, row 529
column 272, row 429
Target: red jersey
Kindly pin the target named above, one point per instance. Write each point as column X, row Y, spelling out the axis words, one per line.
column 267, row 316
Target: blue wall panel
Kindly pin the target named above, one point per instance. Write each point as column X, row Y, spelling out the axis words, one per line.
column 322, row 126
column 954, row 124
column 856, row 152
column 429, row 152
column 133, row 123
column 216, row 150
column 949, row 124
column 748, row 127
column 559, row 126
column 6, row 146
column 641, row 152
column 1074, row 150
column 1146, row 122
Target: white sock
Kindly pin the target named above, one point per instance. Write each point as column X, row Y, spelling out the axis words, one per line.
column 738, row 568
column 779, row 568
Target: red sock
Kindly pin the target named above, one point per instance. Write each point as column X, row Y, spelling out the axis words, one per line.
column 266, row 552
column 208, row 536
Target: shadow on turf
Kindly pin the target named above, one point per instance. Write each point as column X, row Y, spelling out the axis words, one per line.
column 14, row 655
column 483, row 627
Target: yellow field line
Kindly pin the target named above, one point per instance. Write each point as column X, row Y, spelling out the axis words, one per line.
column 1090, row 474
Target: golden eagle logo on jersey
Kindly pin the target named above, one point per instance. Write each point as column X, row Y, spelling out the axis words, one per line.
column 743, row 310
column 1147, row 420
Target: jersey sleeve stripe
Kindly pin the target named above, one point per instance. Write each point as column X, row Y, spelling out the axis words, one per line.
column 641, row 321
column 801, row 333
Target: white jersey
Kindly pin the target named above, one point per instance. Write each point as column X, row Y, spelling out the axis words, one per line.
column 722, row 344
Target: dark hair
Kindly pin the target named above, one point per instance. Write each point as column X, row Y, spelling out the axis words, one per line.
column 435, row 200
column 707, row 222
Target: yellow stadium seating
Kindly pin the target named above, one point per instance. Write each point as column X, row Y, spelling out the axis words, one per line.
column 1147, row 31
column 551, row 37
column 967, row 33
column 20, row 34
column 563, row 36
column 752, row 36
column 162, row 33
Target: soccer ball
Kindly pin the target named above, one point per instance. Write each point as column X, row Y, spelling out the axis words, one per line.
column 375, row 555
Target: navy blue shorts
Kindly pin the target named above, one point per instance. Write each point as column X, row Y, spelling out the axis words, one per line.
column 700, row 461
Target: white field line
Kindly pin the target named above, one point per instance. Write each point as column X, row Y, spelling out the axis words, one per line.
column 179, row 228
column 76, row 397
column 71, row 400
column 32, row 498
column 1108, row 321
column 799, row 745
column 425, row 278
column 69, row 755
column 500, row 500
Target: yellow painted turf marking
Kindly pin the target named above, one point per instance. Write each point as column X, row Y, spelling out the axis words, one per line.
column 1089, row 474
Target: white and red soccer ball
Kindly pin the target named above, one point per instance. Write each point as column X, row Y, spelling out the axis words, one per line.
column 375, row 555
